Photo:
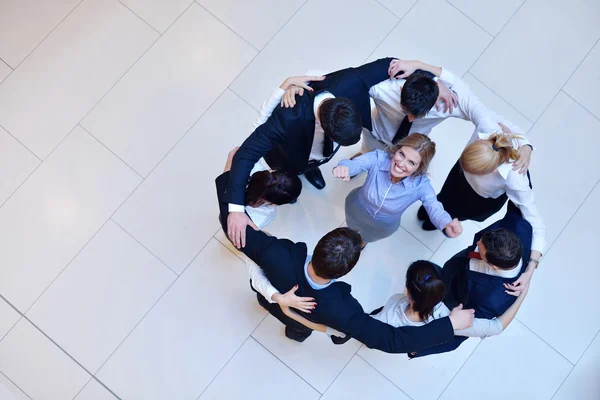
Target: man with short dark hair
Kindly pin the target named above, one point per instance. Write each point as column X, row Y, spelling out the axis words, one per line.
column 287, row 264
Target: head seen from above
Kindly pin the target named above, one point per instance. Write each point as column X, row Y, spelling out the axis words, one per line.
column 411, row 156
column 484, row 156
column 501, row 249
column 424, row 288
column 340, row 120
column 336, row 253
column 419, row 94
column 277, row 187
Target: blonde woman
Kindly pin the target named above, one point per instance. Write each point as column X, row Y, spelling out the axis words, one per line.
column 396, row 179
column 485, row 180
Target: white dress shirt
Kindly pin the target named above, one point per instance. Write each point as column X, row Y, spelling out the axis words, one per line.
column 264, row 214
column 387, row 114
column 516, row 186
column 485, row 268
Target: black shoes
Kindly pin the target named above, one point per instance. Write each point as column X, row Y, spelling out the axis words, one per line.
column 428, row 226
column 422, row 214
column 297, row 336
column 315, row 177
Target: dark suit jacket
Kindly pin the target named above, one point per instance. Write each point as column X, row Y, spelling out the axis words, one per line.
column 283, row 263
column 290, row 131
column 485, row 293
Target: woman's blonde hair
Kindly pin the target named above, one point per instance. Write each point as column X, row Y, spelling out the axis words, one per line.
column 422, row 145
column 485, row 155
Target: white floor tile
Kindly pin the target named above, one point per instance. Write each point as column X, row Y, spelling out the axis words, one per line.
column 381, row 270
column 5, row 70
column 416, row 377
column 158, row 100
column 452, row 246
column 175, row 212
column 552, row 279
column 398, row 7
column 298, row 49
column 431, row 47
column 546, row 56
column 160, row 14
column 24, row 24
column 16, row 164
column 8, row 318
column 101, row 296
column 257, row 21
column 531, row 369
column 317, row 360
column 94, row 391
column 191, row 333
column 8, row 390
column 360, row 381
column 491, row 16
column 55, row 212
column 497, row 104
column 584, row 381
column 257, row 375
column 43, row 100
column 585, row 82
column 557, row 205
column 37, row 366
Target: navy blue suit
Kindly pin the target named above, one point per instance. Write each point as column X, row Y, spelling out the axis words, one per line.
column 283, row 263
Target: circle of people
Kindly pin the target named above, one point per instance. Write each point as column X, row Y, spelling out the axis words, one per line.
column 300, row 128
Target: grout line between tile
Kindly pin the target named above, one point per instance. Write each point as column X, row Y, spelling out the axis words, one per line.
column 21, row 143
column 45, row 37
column 385, row 377
column 21, row 184
column 141, row 244
column 393, row 13
column 11, row 68
column 391, row 30
column 227, row 26
column 244, row 100
column 112, row 152
column 546, row 343
column 473, row 21
column 460, row 369
column 283, row 362
column 418, row 240
column 83, row 387
column 17, row 386
column 342, row 370
column 141, row 19
column 572, row 369
column 581, row 105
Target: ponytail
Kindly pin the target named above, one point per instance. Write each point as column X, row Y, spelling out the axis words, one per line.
column 486, row 155
column 277, row 187
column 425, row 287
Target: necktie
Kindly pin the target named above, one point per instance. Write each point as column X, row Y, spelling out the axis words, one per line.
column 402, row 130
column 475, row 255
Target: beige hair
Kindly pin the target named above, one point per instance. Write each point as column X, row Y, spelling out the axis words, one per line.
column 485, row 155
column 422, row 145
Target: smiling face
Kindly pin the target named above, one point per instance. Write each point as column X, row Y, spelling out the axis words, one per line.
column 405, row 161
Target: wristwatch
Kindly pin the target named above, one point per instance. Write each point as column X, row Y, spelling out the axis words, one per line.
column 533, row 260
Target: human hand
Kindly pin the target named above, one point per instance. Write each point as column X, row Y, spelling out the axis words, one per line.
column 296, row 85
column 521, row 285
column 461, row 319
column 289, row 299
column 230, row 158
column 342, row 172
column 522, row 164
column 453, row 229
column 236, row 228
column 446, row 96
column 405, row 66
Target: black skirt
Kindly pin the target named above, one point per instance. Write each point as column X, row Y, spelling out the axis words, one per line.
column 462, row 202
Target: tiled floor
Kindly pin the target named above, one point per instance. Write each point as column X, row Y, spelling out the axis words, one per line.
column 115, row 117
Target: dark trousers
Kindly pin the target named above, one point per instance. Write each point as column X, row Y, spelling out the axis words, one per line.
column 277, row 161
column 293, row 330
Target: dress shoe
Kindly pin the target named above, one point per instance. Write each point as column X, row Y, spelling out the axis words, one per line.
column 296, row 336
column 428, row 226
column 315, row 177
column 422, row 214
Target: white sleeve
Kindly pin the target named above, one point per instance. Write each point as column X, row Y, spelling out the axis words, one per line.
column 482, row 328
column 519, row 192
column 236, row 208
column 268, row 106
column 260, row 282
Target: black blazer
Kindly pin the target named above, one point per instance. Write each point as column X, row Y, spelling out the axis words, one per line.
column 482, row 292
column 291, row 130
column 283, row 263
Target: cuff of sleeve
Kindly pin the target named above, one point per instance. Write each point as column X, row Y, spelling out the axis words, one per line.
column 538, row 245
column 447, row 77
column 235, row 208
column 444, row 223
column 270, row 292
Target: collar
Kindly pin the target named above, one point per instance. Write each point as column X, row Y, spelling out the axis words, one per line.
column 313, row 284
column 409, row 181
column 505, row 168
column 321, row 97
